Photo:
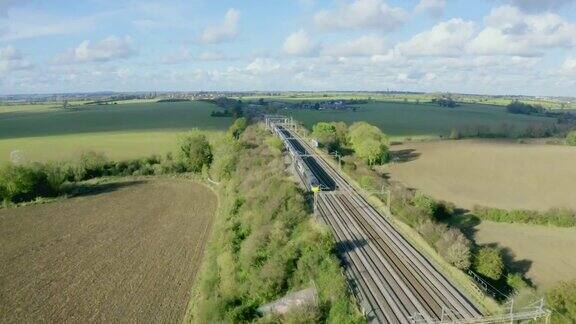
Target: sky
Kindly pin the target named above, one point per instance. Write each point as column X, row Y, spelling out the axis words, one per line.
column 525, row 47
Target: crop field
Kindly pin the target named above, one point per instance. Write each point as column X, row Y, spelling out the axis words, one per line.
column 121, row 131
column 491, row 173
column 411, row 120
column 545, row 253
column 410, row 98
column 126, row 252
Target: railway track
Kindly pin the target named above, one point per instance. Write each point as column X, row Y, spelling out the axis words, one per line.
column 392, row 280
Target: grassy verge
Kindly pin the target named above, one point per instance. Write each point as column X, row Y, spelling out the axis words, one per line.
column 264, row 244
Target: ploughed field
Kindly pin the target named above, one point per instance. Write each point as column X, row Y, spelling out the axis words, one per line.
column 121, row 131
column 502, row 174
column 126, row 252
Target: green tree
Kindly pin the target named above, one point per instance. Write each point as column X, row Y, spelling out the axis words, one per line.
column 571, row 138
column 238, row 127
column 325, row 134
column 195, row 151
column 369, row 143
column 488, row 262
column 455, row 248
column 341, row 133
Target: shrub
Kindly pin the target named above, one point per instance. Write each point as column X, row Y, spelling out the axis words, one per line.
column 454, row 248
column 562, row 299
column 516, row 281
column 325, row 134
column 488, row 262
column 517, row 107
column 431, row 232
column 571, row 138
column 195, row 151
column 275, row 144
column 24, row 182
column 90, row 165
column 238, row 127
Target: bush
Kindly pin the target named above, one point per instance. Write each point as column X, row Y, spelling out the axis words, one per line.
column 455, row 248
column 226, row 158
column 488, row 262
column 238, row 127
column 562, row 299
column 195, row 151
column 275, row 144
column 516, row 281
column 24, row 183
column 571, row 138
column 90, row 165
column 325, row 134
column 517, row 107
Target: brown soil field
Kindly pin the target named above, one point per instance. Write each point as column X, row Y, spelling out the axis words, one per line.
column 127, row 252
column 546, row 254
column 492, row 173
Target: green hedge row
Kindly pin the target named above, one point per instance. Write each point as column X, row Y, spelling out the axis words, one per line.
column 555, row 217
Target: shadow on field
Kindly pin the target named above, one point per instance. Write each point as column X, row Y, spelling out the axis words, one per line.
column 467, row 223
column 93, row 189
column 349, row 245
column 403, row 156
column 520, row 266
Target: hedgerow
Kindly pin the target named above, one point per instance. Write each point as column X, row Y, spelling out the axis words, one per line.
column 555, row 217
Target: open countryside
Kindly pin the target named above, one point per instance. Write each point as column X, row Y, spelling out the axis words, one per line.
column 304, row 161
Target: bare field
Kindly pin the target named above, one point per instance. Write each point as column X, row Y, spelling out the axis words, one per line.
column 128, row 252
column 491, row 173
column 547, row 253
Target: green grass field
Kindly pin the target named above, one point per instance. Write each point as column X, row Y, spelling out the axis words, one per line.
column 120, row 131
column 401, row 120
column 410, row 98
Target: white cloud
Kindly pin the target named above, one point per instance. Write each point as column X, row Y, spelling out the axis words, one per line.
column 447, row 38
column 569, row 66
column 12, row 60
column 539, row 5
column 299, row 44
column 212, row 56
column 262, row 66
column 510, row 31
column 26, row 23
column 359, row 14
column 108, row 49
column 176, row 57
column 434, row 8
column 363, row 46
column 224, row 32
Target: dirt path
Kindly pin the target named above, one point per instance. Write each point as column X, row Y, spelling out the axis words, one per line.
column 127, row 254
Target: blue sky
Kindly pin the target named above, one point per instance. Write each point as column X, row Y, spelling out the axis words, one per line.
column 482, row 46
